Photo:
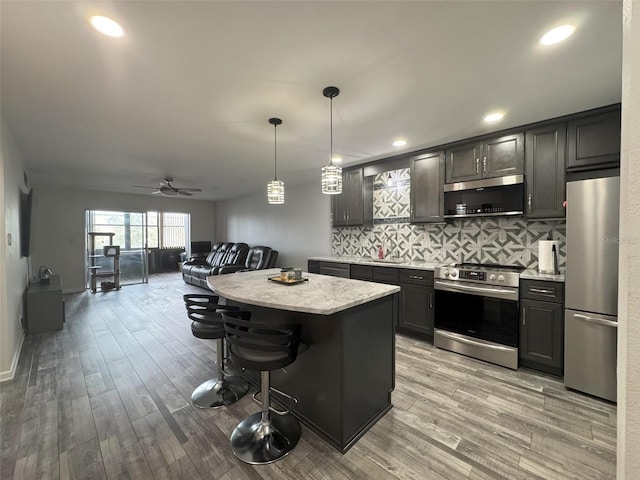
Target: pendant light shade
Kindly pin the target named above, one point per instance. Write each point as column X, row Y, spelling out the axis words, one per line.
column 331, row 174
column 275, row 188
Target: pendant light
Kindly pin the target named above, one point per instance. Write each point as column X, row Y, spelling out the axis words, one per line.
column 275, row 188
column 331, row 174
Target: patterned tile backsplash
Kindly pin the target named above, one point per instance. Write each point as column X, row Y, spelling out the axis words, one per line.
column 503, row 240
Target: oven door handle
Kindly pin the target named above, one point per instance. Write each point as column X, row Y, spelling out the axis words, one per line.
column 493, row 292
column 468, row 341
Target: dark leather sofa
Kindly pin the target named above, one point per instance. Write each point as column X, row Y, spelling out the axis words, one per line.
column 258, row 258
column 227, row 258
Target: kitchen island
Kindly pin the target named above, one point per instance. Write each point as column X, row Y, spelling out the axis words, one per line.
column 343, row 381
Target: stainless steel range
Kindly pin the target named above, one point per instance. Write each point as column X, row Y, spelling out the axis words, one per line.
column 476, row 311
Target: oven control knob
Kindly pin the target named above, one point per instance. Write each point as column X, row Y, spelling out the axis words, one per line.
column 501, row 278
column 492, row 277
column 446, row 273
column 454, row 274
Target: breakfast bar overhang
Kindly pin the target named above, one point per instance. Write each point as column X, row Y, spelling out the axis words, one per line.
column 343, row 381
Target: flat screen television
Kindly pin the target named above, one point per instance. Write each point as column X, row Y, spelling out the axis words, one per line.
column 26, row 201
column 200, row 247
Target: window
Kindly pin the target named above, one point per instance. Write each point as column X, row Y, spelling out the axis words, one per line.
column 167, row 230
column 164, row 229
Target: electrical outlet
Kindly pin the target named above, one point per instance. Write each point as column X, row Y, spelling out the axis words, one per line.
column 9, row 240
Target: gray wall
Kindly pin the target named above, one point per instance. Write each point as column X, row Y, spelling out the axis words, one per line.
column 13, row 268
column 298, row 229
column 58, row 225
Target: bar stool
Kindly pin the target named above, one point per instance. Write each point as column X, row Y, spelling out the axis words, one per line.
column 263, row 438
column 207, row 323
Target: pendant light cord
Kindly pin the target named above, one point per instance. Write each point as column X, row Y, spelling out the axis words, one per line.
column 275, row 152
column 331, row 130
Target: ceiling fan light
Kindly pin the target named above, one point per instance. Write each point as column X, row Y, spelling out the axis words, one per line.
column 331, row 179
column 275, row 192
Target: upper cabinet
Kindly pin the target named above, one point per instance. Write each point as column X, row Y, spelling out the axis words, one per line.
column 354, row 206
column 594, row 141
column 427, row 179
column 545, row 171
column 496, row 157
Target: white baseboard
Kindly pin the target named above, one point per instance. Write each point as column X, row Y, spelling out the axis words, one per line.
column 11, row 373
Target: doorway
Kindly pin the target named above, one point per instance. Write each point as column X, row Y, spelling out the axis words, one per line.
column 150, row 242
column 130, row 234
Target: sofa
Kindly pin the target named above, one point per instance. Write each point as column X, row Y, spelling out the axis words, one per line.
column 227, row 258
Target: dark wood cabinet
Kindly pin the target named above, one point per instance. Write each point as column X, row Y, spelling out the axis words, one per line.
column 385, row 275
column 313, row 266
column 362, row 272
column 426, row 193
column 542, row 326
column 594, row 141
column 335, row 269
column 463, row 163
column 416, row 311
column 545, row 171
column 496, row 157
column 354, row 206
column 338, row 214
column 44, row 306
column 416, row 303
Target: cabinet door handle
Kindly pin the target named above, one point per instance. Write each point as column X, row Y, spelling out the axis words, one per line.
column 431, row 300
column 416, row 277
column 484, row 164
column 543, row 291
column 524, row 316
column 477, row 165
column 529, row 201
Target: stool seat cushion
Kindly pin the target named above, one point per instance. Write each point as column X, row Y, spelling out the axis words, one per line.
column 261, row 356
column 202, row 330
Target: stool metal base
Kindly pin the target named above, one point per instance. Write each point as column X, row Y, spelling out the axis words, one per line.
column 256, row 442
column 216, row 393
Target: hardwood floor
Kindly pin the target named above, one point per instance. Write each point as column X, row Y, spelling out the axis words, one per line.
column 109, row 397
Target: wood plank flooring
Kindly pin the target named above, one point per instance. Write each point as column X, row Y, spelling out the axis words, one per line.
column 109, row 397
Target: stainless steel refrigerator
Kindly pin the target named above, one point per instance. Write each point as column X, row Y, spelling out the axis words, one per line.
column 591, row 291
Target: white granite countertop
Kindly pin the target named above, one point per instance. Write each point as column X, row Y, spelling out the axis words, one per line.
column 530, row 274
column 321, row 295
column 378, row 263
column 533, row 274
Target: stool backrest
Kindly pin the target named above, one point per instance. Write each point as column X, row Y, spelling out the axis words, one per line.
column 260, row 345
column 205, row 308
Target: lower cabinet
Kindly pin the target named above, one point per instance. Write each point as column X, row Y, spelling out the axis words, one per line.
column 416, row 311
column 313, row 266
column 334, row 269
column 416, row 303
column 542, row 329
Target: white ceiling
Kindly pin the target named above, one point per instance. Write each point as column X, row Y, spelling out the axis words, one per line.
column 188, row 90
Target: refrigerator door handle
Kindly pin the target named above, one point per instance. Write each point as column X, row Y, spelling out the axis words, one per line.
column 599, row 321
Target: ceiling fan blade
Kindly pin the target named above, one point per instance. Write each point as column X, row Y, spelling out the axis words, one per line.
column 182, row 189
column 144, row 186
column 182, row 192
column 157, row 192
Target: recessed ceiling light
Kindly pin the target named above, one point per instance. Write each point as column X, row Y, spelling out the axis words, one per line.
column 557, row 34
column 106, row 25
column 399, row 143
column 336, row 159
column 494, row 117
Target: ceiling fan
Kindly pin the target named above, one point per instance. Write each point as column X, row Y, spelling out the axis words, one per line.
column 167, row 189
